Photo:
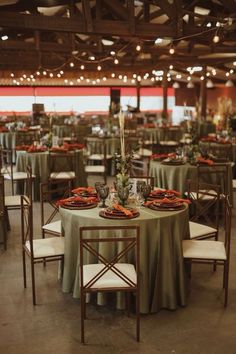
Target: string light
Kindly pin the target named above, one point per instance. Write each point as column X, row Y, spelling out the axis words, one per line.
column 82, row 67
column 116, row 61
column 99, row 68
column 138, row 47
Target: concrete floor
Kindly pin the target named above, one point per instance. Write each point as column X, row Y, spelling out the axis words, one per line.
column 53, row 326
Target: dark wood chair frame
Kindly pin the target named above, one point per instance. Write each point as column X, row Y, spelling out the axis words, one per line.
column 132, row 243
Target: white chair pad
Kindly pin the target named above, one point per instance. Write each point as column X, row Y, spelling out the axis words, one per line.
column 99, row 157
column 53, row 227
column 200, row 196
column 46, row 247
column 16, row 175
column 95, row 169
column 200, row 230
column 204, row 249
column 169, row 143
column 62, row 175
column 109, row 279
column 13, row 200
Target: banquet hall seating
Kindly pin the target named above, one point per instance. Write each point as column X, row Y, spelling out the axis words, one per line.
column 139, row 167
column 13, row 202
column 204, row 210
column 61, row 166
column 110, row 272
column 38, row 250
column 212, row 252
column 3, row 213
column 221, row 152
column 96, row 158
column 8, row 169
column 27, row 137
column 50, row 193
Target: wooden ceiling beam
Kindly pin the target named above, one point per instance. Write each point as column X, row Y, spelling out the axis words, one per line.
column 116, row 8
column 87, row 15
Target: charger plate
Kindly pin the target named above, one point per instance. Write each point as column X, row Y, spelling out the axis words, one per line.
column 110, row 213
column 78, row 205
column 166, row 207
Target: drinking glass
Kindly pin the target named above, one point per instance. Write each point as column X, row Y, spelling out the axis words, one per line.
column 103, row 192
column 123, row 194
column 146, row 190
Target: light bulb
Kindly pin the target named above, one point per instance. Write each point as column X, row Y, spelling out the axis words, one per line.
column 171, row 51
column 138, row 47
column 116, row 61
column 216, row 39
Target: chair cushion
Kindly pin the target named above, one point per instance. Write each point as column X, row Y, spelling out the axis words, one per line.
column 95, row 169
column 109, row 279
column 13, row 201
column 99, row 157
column 46, row 247
column 201, row 196
column 53, row 227
column 16, row 175
column 200, row 230
column 234, row 183
column 62, row 175
column 204, row 249
column 145, row 152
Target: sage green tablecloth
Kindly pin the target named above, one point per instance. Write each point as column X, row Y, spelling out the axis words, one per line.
column 162, row 269
column 39, row 164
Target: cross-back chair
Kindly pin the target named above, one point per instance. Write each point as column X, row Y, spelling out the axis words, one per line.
column 50, row 193
column 38, row 250
column 61, row 166
column 97, row 158
column 212, row 251
column 204, row 210
column 8, row 169
column 110, row 272
column 13, row 202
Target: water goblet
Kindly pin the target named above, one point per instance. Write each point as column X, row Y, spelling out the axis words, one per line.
column 123, row 193
column 103, row 192
column 146, row 190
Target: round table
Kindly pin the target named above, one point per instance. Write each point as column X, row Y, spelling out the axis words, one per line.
column 39, row 164
column 163, row 282
column 176, row 176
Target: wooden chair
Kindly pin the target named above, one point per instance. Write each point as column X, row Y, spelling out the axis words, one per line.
column 146, row 179
column 97, row 158
column 50, row 193
column 139, row 167
column 221, row 152
column 204, row 210
column 212, row 252
column 217, row 174
column 109, row 274
column 13, row 202
column 38, row 250
column 3, row 213
column 61, row 166
column 8, row 169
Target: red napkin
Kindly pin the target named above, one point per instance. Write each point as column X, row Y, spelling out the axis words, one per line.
column 89, row 190
column 161, row 191
column 73, row 146
column 76, row 199
column 22, row 147
column 205, row 161
column 3, row 130
column 158, row 156
column 33, row 148
column 122, row 209
column 58, row 149
column 209, row 138
column 168, row 201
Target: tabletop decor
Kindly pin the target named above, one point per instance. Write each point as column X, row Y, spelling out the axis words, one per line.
column 123, row 164
column 77, row 202
column 117, row 211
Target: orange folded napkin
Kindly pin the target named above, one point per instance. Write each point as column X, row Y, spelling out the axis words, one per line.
column 205, row 161
column 33, row 148
column 161, row 191
column 76, row 199
column 73, row 146
column 168, row 201
column 22, row 147
column 158, row 156
column 223, row 141
column 89, row 190
column 122, row 209
column 58, row 149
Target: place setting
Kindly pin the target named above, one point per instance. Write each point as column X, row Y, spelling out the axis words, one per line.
column 78, row 202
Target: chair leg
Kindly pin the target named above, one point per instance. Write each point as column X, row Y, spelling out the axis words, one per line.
column 83, row 305
column 33, row 282
column 127, row 300
column 226, row 283
column 138, row 315
column 24, row 268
